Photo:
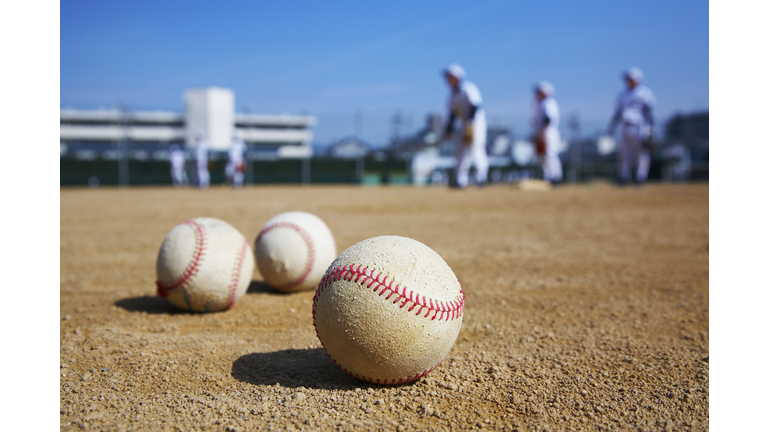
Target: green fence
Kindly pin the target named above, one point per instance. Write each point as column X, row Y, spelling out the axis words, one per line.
column 368, row 172
column 75, row 172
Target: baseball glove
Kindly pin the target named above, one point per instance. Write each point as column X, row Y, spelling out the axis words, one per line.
column 541, row 145
column 240, row 167
column 650, row 143
column 469, row 135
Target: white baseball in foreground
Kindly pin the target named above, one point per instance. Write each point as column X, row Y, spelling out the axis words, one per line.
column 388, row 310
column 204, row 265
column 293, row 250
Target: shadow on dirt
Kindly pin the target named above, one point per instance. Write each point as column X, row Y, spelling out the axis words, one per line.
column 261, row 287
column 158, row 305
column 309, row 368
column 148, row 304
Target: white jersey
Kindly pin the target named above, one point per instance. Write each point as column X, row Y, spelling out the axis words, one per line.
column 460, row 104
column 550, row 161
column 634, row 105
column 546, row 108
column 176, row 158
column 201, row 152
column 461, row 100
column 237, row 152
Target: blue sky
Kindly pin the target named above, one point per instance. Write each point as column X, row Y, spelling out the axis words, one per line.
column 334, row 59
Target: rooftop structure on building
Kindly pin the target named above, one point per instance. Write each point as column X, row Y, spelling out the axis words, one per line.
column 209, row 111
column 350, row 147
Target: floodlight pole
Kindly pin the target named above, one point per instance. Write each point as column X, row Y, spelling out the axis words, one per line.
column 575, row 147
column 122, row 162
column 306, row 173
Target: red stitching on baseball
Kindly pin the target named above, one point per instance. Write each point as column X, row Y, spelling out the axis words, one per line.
column 450, row 310
column 236, row 273
column 310, row 252
column 197, row 258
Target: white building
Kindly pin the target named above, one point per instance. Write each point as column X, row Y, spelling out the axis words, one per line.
column 210, row 110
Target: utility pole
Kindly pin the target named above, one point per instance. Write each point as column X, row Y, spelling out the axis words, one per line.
column 306, row 162
column 397, row 121
column 360, row 162
column 306, row 173
column 359, row 123
column 574, row 125
column 249, row 168
column 122, row 145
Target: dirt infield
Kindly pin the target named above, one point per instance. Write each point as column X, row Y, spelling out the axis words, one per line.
column 587, row 308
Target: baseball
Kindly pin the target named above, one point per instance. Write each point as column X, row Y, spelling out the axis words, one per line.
column 388, row 310
column 293, row 250
column 204, row 265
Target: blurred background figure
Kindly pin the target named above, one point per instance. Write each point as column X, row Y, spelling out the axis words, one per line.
column 633, row 110
column 177, row 159
column 201, row 158
column 464, row 103
column 235, row 169
column 546, row 136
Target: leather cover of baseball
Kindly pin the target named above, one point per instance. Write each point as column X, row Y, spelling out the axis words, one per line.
column 388, row 310
column 204, row 265
column 293, row 250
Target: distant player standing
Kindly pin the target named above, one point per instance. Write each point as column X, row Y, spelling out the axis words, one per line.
column 633, row 110
column 201, row 158
column 235, row 169
column 546, row 118
column 177, row 160
column 464, row 103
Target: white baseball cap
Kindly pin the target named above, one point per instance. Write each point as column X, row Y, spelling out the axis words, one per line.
column 545, row 87
column 455, row 71
column 635, row 73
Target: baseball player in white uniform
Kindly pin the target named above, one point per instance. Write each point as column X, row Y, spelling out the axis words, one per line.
column 177, row 160
column 546, row 118
column 633, row 111
column 201, row 158
column 235, row 169
column 464, row 103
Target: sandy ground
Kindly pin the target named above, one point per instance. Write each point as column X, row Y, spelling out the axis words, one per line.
column 587, row 308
